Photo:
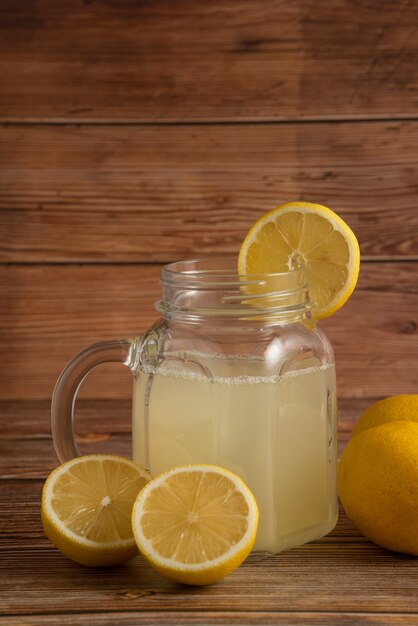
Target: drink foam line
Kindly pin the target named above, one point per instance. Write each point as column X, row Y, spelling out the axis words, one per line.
column 173, row 372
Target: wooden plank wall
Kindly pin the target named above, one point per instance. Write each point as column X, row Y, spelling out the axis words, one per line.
column 137, row 133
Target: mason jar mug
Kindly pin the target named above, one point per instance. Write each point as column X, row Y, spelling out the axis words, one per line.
column 234, row 373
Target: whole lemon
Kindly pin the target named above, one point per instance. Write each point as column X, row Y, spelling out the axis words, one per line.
column 395, row 408
column 378, row 484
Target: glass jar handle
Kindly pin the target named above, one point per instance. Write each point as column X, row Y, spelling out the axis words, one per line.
column 68, row 384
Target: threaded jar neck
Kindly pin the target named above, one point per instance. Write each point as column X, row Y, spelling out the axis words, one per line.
column 196, row 289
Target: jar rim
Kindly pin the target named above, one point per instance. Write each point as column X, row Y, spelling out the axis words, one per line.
column 211, row 268
column 198, row 288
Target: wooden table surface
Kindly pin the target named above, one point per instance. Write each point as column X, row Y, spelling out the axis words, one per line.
column 341, row 579
column 135, row 133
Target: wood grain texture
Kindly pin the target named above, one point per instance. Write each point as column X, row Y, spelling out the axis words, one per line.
column 50, row 312
column 195, row 60
column 346, row 576
column 146, row 618
column 163, row 193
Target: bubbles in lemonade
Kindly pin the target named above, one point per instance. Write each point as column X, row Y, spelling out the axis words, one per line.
column 278, row 433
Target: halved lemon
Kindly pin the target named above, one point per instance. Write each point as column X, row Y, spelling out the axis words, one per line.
column 87, row 505
column 311, row 235
column 196, row 523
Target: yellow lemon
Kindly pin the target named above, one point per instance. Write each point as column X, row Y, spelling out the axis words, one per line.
column 378, row 484
column 395, row 408
column 87, row 505
column 196, row 523
column 300, row 234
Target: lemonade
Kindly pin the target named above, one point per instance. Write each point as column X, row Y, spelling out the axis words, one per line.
column 278, row 433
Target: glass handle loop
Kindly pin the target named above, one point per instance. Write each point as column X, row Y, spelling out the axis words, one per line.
column 68, row 384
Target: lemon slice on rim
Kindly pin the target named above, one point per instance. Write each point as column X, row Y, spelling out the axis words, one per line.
column 87, row 505
column 304, row 234
column 196, row 523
